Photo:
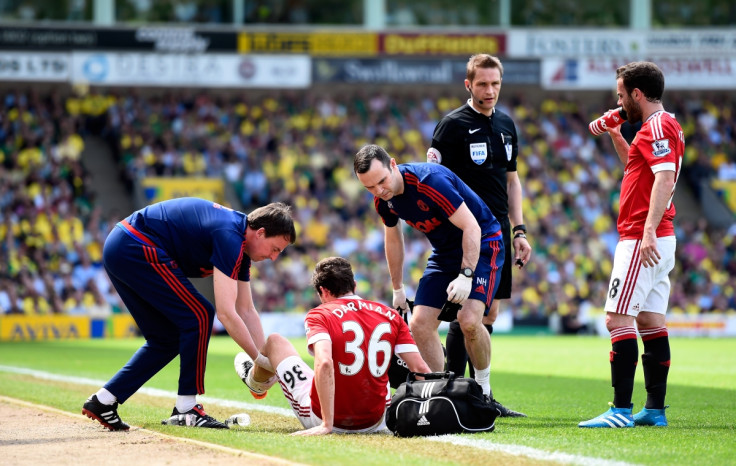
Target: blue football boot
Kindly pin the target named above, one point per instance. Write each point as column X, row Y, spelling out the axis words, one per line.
column 651, row 417
column 613, row 418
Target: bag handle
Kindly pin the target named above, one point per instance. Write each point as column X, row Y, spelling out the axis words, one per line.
column 449, row 375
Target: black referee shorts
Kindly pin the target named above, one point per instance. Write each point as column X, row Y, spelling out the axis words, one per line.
column 504, row 287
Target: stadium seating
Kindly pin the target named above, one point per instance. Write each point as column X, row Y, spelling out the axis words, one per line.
column 299, row 148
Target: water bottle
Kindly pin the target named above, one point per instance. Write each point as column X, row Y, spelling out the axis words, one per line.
column 610, row 119
column 239, row 420
column 181, row 420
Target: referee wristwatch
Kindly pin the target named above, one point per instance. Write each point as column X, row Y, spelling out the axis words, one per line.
column 519, row 231
column 467, row 272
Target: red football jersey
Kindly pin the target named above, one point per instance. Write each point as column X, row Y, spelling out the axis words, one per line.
column 659, row 145
column 364, row 335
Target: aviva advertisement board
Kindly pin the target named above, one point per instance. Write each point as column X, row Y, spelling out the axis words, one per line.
column 55, row 327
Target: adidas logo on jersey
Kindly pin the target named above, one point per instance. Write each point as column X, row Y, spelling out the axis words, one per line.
column 423, row 421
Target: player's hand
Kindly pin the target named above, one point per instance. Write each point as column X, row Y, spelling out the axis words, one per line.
column 399, row 301
column 523, row 252
column 614, row 130
column 648, row 251
column 317, row 430
column 459, row 289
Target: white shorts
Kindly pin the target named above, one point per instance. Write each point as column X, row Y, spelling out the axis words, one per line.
column 295, row 377
column 634, row 288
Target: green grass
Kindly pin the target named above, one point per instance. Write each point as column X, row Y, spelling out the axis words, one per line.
column 557, row 381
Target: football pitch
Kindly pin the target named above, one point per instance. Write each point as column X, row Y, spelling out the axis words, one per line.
column 557, row 381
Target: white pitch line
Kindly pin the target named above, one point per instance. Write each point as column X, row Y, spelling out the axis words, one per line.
column 157, row 392
column 464, row 441
column 526, row 452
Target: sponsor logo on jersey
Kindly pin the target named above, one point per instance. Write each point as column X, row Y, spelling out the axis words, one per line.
column 479, row 152
column 425, row 226
column 471, row 131
column 422, row 206
column 661, row 148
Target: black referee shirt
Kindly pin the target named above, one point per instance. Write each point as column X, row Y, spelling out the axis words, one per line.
column 480, row 150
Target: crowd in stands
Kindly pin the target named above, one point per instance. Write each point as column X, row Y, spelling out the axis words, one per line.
column 298, row 147
column 51, row 233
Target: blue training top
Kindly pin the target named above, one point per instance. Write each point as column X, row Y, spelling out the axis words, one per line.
column 432, row 193
column 196, row 233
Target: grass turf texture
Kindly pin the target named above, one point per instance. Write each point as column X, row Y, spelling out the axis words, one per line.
column 557, row 381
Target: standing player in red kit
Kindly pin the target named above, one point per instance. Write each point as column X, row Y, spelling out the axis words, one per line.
column 639, row 288
column 352, row 340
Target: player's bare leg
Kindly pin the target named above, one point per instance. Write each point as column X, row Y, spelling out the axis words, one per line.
column 489, row 320
column 256, row 377
column 477, row 340
column 424, row 325
column 276, row 349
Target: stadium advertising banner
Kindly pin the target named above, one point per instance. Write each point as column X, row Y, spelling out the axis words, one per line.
column 600, row 73
column 161, row 39
column 686, row 43
column 574, row 43
column 414, row 71
column 51, row 327
column 62, row 327
column 441, row 44
column 121, row 326
column 707, row 42
column 314, row 44
column 34, row 66
column 191, row 70
column 715, row 325
column 357, row 44
column 157, row 189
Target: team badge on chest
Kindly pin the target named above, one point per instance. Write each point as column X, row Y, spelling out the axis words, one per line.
column 479, row 152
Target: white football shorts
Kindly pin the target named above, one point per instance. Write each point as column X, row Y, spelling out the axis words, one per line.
column 634, row 288
column 295, row 377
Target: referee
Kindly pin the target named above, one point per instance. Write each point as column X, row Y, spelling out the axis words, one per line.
column 479, row 143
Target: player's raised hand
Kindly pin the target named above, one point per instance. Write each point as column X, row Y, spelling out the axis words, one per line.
column 459, row 289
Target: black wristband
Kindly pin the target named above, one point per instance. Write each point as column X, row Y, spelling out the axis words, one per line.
column 519, row 235
column 519, row 227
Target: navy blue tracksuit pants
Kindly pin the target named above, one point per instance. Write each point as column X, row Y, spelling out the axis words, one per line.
column 173, row 316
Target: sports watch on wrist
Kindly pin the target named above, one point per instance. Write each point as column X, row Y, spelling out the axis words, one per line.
column 467, row 272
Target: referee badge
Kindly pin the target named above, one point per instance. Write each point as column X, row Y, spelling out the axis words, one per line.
column 479, row 152
column 507, row 145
